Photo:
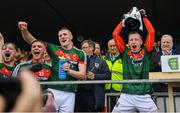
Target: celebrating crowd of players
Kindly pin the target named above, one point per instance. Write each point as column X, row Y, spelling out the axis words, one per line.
column 123, row 60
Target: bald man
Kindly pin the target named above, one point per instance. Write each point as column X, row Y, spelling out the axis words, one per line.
column 166, row 49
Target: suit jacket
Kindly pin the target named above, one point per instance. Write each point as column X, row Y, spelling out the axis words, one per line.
column 156, row 57
column 99, row 67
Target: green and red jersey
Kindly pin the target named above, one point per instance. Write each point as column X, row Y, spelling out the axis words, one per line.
column 43, row 74
column 6, row 71
column 74, row 57
column 136, row 66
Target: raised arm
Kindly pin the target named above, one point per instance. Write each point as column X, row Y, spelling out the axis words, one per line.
column 27, row 36
column 1, row 45
column 149, row 43
column 118, row 39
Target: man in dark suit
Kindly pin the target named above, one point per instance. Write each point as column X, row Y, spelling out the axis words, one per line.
column 91, row 97
column 166, row 49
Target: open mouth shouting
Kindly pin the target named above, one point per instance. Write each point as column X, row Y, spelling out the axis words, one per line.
column 134, row 48
column 7, row 54
column 36, row 54
column 63, row 41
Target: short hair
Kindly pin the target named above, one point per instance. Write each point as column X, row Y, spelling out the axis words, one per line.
column 64, row 28
column 14, row 45
column 136, row 32
column 38, row 40
column 110, row 40
column 167, row 35
column 98, row 43
column 90, row 43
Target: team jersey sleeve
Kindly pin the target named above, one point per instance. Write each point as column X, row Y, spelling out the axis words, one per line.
column 118, row 38
column 51, row 48
column 82, row 58
column 149, row 43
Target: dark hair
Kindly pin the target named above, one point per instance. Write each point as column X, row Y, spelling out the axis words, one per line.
column 96, row 42
column 138, row 32
column 110, row 40
column 65, row 28
column 37, row 40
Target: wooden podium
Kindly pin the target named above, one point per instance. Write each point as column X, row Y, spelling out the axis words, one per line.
column 169, row 75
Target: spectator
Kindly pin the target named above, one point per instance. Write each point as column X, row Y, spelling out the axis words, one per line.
column 114, row 62
column 90, row 98
column 23, row 57
column 18, row 53
column 7, row 57
column 136, row 63
column 64, row 95
column 166, row 49
column 47, row 59
column 156, row 46
column 97, row 50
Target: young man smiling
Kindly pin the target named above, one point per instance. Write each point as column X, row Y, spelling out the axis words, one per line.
column 38, row 48
column 75, row 68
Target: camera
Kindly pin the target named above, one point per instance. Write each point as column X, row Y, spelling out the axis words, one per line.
column 10, row 89
column 133, row 20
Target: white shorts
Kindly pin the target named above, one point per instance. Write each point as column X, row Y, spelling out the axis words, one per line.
column 64, row 100
column 132, row 103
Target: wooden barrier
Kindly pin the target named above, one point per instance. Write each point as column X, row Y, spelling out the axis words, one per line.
column 161, row 75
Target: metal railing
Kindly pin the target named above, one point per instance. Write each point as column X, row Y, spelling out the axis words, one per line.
column 120, row 82
column 110, row 81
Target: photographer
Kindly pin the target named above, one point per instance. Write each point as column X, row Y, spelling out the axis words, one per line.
column 27, row 100
column 136, row 63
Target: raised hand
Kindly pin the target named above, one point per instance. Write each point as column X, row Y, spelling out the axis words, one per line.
column 27, row 36
column 166, row 51
column 66, row 66
column 1, row 37
column 22, row 25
